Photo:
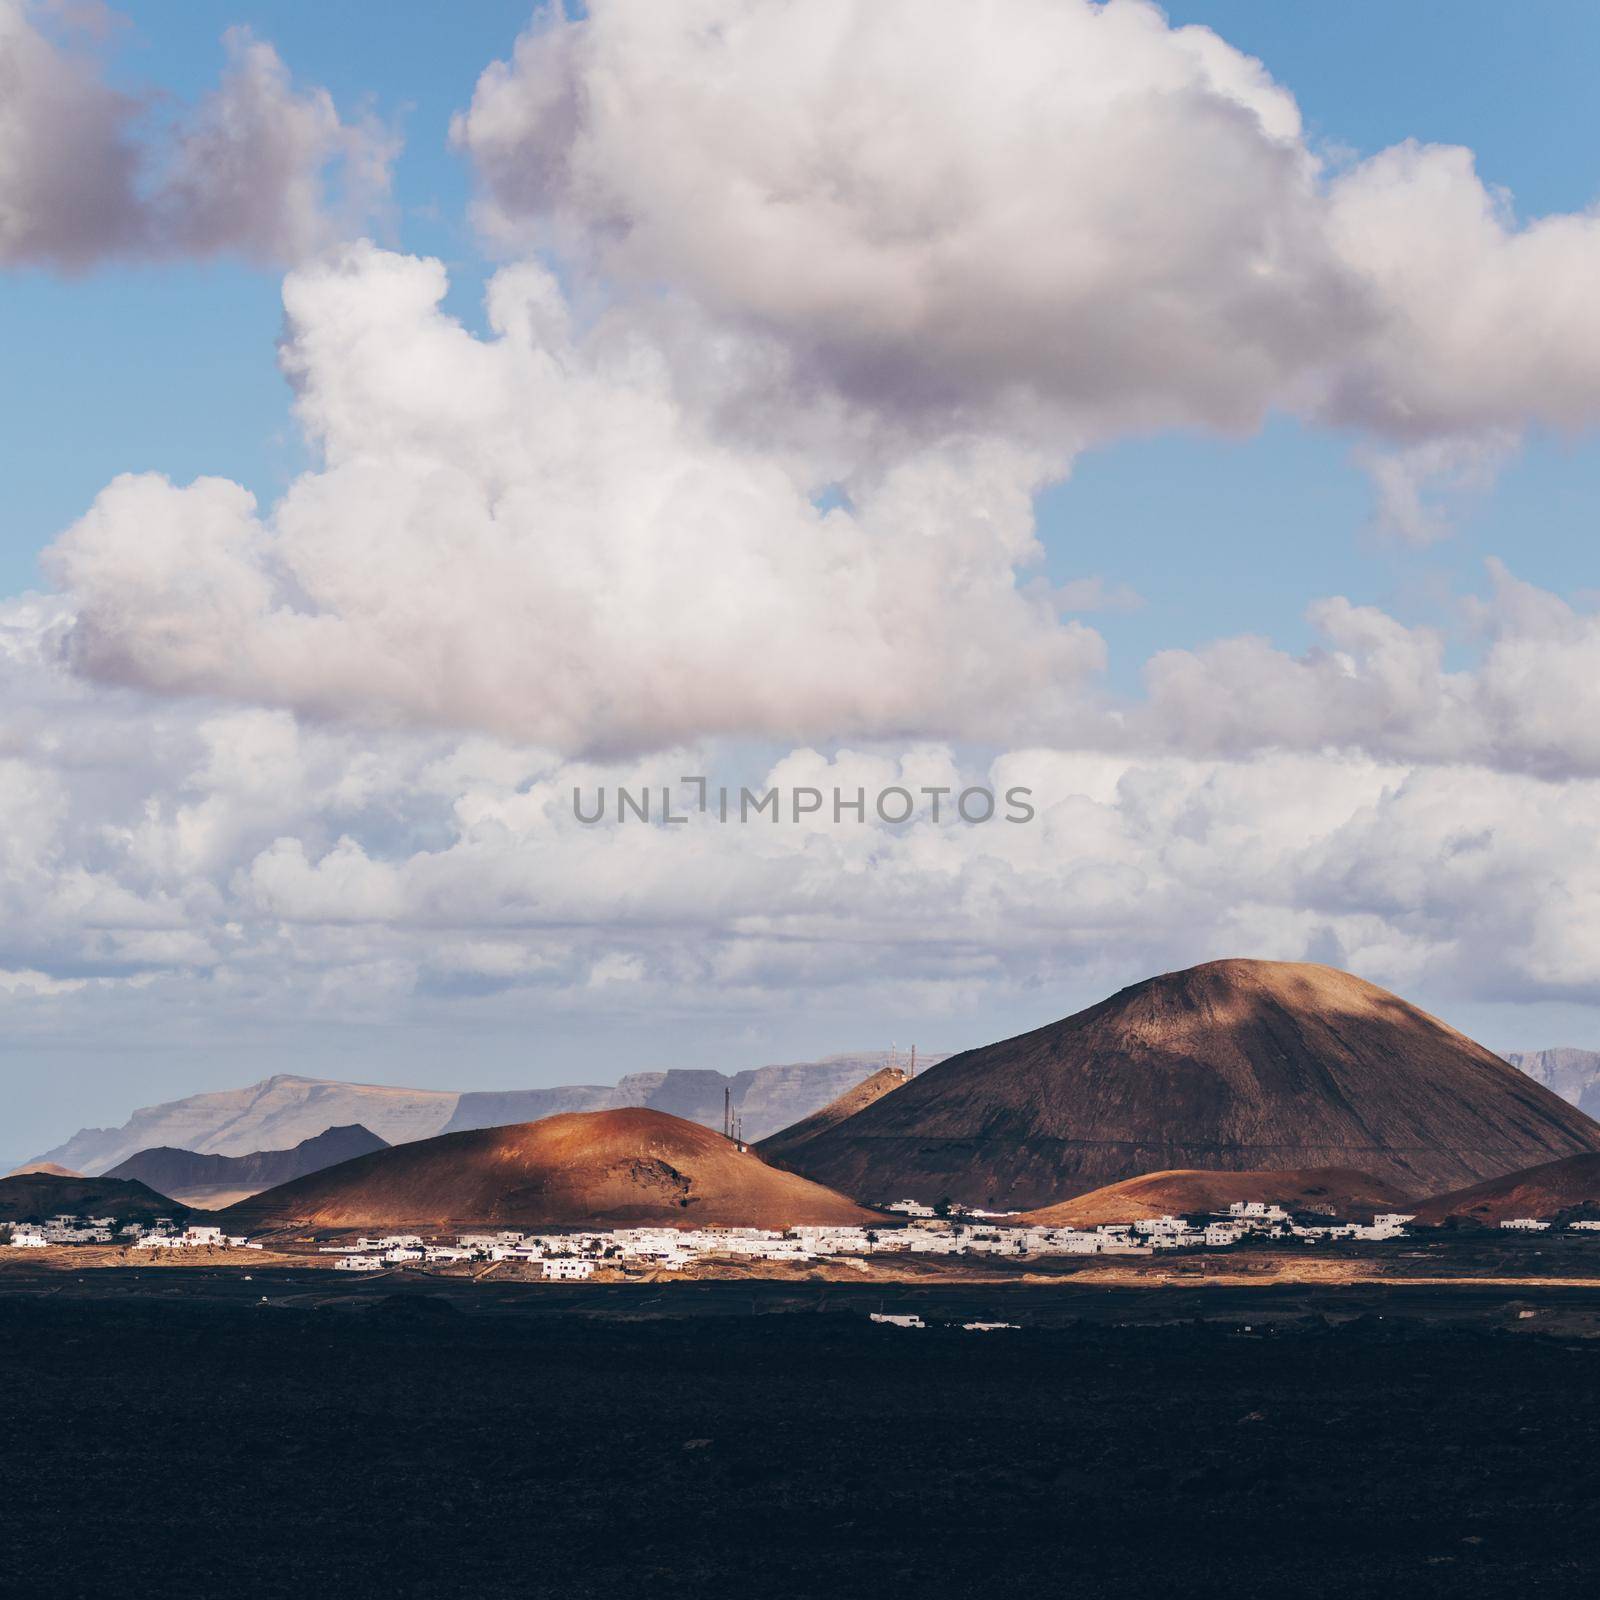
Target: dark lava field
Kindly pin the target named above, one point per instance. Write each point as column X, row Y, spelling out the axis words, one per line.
column 407, row 1444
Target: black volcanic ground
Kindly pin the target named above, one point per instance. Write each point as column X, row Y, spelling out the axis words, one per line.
column 1234, row 1065
column 163, row 1444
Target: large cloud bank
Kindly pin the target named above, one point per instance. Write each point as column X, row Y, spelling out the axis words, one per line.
column 252, row 867
column 536, row 535
column 259, row 167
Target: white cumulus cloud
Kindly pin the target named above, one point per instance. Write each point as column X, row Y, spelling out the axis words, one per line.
column 1528, row 702
column 935, row 205
column 530, row 534
column 1056, row 210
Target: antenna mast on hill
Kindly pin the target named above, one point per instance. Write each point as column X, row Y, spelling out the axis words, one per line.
column 727, row 1111
column 894, row 1063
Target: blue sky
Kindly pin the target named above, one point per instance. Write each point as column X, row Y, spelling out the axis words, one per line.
column 171, row 365
column 208, row 867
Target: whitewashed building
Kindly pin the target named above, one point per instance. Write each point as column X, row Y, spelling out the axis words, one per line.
column 566, row 1267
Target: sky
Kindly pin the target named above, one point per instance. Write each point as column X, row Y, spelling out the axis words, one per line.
column 1187, row 415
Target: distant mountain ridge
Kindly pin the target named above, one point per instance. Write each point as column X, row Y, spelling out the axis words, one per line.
column 274, row 1114
column 211, row 1179
column 765, row 1099
column 1571, row 1073
column 282, row 1111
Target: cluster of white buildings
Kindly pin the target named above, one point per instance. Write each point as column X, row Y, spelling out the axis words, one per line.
column 163, row 1234
column 393, row 1250
column 68, row 1228
column 1543, row 1225
column 559, row 1257
column 575, row 1255
column 915, row 1208
column 1247, row 1217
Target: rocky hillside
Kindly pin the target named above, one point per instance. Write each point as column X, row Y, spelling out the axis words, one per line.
column 37, row 1196
column 1326, row 1191
column 598, row 1168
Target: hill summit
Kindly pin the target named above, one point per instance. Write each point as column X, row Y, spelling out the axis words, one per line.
column 210, row 1181
column 37, row 1196
column 1235, row 1065
column 1540, row 1192
column 587, row 1168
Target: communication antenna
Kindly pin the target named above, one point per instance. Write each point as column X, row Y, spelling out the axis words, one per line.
column 727, row 1111
column 913, row 1072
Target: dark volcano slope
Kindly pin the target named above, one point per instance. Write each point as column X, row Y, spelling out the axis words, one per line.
column 1240, row 1065
column 37, row 1196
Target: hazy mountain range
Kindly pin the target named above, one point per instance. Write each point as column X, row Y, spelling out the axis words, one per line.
column 1573, row 1074
column 284, row 1110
